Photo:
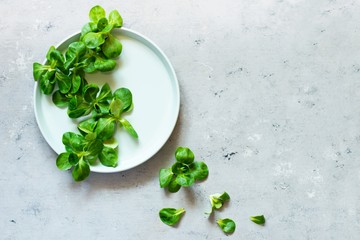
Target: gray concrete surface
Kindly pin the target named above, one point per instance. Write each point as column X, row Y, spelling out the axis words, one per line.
column 270, row 100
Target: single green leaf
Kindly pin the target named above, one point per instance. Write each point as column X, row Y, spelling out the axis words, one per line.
column 125, row 96
column 184, row 155
column 115, row 19
column 89, row 66
column 128, row 127
column 74, row 102
column 73, row 159
column 73, row 53
column 224, row 197
column 227, row 225
column 258, row 219
column 96, row 13
column 82, row 109
column 62, row 161
column 111, row 143
column 173, row 186
column 108, row 28
column 93, row 147
column 47, row 83
column 50, row 74
column 104, row 65
column 79, row 112
column 105, row 128
column 77, row 48
column 73, row 141
column 56, row 57
column 81, row 171
column 92, row 160
column 116, row 106
column 165, row 177
column 105, row 93
column 102, row 23
column 75, row 83
column 87, row 126
column 199, row 170
column 102, row 107
column 39, row 70
column 90, row 136
column 94, row 40
column 171, row 216
column 112, row 47
column 64, row 82
column 185, row 180
column 52, row 48
column 90, row 91
column 108, row 157
column 59, row 99
column 77, row 107
column 89, row 27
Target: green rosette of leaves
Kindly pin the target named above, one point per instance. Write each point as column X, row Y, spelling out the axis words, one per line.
column 184, row 172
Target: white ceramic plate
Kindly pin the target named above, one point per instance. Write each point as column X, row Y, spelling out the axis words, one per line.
column 147, row 72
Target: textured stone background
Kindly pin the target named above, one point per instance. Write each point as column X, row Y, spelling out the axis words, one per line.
column 270, row 100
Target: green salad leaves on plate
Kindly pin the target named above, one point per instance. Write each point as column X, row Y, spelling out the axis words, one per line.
column 64, row 77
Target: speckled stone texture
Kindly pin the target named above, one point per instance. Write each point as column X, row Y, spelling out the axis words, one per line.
column 270, row 101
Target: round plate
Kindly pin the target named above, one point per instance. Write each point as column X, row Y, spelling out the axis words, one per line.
column 146, row 71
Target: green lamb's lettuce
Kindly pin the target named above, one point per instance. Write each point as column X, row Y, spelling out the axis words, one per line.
column 97, row 34
column 171, row 216
column 227, row 225
column 107, row 109
column 217, row 200
column 78, row 153
column 93, row 52
column 63, row 75
column 112, row 47
column 81, row 152
column 46, row 74
column 96, row 130
column 260, row 220
column 184, row 172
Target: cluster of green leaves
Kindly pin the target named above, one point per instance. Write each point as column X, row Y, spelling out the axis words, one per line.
column 97, row 35
column 67, row 71
column 95, row 51
column 63, row 76
column 171, row 216
column 96, row 140
column 107, row 110
column 82, row 150
column 184, row 172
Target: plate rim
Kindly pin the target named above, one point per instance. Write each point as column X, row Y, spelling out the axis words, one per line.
column 171, row 72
